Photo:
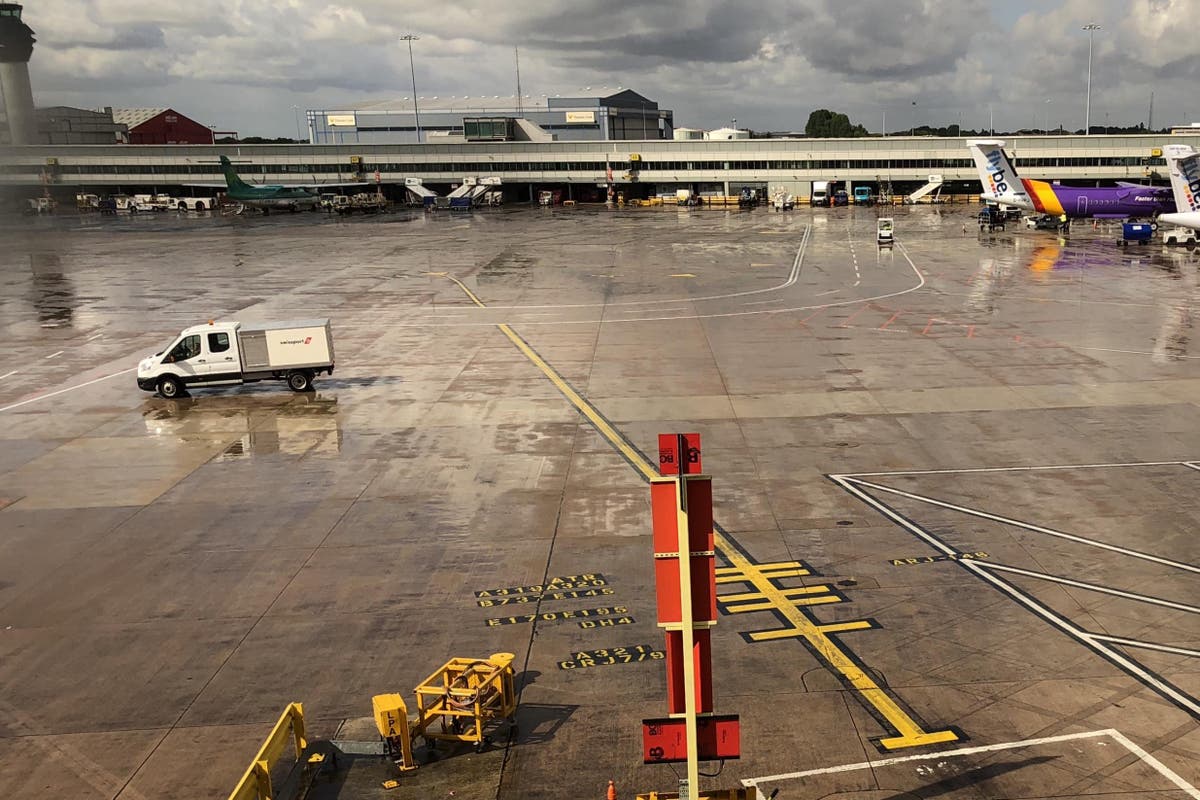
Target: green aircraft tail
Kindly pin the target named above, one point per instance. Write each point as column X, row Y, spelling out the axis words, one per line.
column 231, row 177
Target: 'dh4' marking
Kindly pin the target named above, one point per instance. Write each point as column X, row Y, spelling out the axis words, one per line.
column 905, row 729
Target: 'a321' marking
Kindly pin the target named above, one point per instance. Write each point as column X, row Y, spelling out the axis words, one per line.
column 612, row 655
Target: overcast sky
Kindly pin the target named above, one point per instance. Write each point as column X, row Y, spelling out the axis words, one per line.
column 243, row 64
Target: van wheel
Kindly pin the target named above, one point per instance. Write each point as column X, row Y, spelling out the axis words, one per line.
column 300, row 381
column 200, row 207
column 170, row 387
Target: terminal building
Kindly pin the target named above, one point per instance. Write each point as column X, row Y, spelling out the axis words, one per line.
column 620, row 115
column 581, row 170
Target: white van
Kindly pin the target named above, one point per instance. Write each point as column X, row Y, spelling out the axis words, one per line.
column 230, row 353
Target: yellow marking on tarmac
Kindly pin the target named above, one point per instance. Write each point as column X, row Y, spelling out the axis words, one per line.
column 746, row 597
column 909, row 732
column 683, row 275
column 777, row 569
column 767, row 605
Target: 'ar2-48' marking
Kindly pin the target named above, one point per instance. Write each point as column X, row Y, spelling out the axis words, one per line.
column 612, row 655
column 556, row 616
column 560, row 583
column 904, row 562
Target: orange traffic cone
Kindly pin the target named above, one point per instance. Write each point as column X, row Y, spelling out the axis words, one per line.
column 611, row 794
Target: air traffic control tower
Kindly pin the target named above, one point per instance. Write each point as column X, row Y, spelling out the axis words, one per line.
column 16, row 48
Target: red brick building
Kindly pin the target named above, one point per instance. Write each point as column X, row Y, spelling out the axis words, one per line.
column 161, row 126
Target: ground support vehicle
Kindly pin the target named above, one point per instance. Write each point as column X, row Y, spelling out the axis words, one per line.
column 233, row 353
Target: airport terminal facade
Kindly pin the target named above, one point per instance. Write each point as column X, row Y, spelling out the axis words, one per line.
column 580, row 168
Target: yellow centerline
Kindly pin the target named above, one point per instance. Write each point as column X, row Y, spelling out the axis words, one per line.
column 909, row 731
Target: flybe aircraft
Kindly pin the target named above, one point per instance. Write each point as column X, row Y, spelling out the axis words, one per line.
column 1002, row 184
column 1184, row 165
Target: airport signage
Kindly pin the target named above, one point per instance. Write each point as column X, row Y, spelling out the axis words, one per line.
column 669, row 458
column 581, row 117
column 664, row 740
column 341, row 120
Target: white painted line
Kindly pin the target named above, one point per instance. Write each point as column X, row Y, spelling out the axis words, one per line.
column 1152, row 762
column 1011, row 469
column 1133, row 667
column 95, row 336
column 974, row 512
column 793, row 275
column 55, row 355
column 433, row 322
column 5, row 375
column 68, row 389
column 1162, row 648
column 764, row 302
column 1162, row 768
column 962, row 751
column 1093, row 587
column 831, row 291
column 1126, row 352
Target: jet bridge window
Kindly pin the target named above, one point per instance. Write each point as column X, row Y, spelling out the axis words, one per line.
column 188, row 347
column 218, row 342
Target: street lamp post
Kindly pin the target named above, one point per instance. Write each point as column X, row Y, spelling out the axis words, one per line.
column 1091, row 28
column 296, row 115
column 408, row 37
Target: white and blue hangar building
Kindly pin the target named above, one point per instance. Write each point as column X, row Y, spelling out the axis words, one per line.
column 580, row 168
column 619, row 115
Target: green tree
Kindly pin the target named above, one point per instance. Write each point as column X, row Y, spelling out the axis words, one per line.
column 826, row 124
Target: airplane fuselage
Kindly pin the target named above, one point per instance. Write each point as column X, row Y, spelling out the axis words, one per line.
column 1100, row 202
column 279, row 198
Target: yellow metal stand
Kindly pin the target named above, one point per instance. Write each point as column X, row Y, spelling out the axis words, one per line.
column 462, row 698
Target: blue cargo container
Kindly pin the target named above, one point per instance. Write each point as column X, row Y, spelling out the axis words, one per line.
column 1141, row 232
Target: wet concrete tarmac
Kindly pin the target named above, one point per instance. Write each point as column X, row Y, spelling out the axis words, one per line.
column 974, row 452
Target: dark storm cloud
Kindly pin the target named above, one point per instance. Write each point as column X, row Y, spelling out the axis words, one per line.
column 874, row 39
column 723, row 32
column 768, row 63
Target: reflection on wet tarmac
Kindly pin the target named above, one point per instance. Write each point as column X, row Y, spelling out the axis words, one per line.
column 52, row 293
column 269, row 425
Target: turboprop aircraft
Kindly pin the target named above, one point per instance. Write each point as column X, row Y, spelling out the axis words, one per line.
column 1183, row 163
column 1002, row 184
column 281, row 197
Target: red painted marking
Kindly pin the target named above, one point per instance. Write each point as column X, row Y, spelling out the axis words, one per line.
column 927, row 327
column 891, row 319
column 970, row 331
column 846, row 322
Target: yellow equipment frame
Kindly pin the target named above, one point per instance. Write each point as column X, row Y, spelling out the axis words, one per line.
column 256, row 781
column 462, row 697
